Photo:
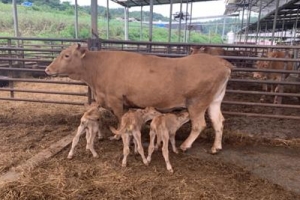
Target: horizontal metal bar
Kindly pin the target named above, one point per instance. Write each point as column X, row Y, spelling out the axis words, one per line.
column 260, row 104
column 42, row 81
column 24, row 59
column 21, row 69
column 42, row 101
column 263, row 93
column 44, row 39
column 8, row 48
column 264, row 82
column 261, row 115
column 265, row 70
column 44, row 92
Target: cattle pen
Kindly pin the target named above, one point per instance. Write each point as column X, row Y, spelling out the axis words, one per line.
column 40, row 110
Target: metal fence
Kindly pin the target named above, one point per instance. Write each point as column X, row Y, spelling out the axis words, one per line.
column 31, row 55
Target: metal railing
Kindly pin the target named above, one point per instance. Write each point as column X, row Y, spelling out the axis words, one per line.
column 242, row 95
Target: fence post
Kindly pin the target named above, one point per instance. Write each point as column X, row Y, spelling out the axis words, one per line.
column 10, row 73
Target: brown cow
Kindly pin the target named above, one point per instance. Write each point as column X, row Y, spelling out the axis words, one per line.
column 131, row 125
column 277, row 65
column 216, row 51
column 196, row 82
column 165, row 127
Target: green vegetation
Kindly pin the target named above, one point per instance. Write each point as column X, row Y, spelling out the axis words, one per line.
column 50, row 19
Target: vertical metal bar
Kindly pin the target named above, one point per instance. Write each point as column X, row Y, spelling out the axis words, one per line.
column 179, row 25
column 107, row 17
column 10, row 64
column 242, row 24
column 185, row 26
column 141, row 29
column 94, row 15
column 151, row 21
column 248, row 20
column 15, row 13
column 191, row 15
column 76, row 19
column 170, row 20
column 258, row 21
column 296, row 25
column 126, row 23
column 274, row 21
column 223, row 30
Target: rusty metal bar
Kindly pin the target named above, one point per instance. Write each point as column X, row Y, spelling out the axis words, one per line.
column 262, row 93
column 260, row 104
column 42, row 81
column 261, row 115
column 42, row 101
column 264, row 81
column 45, row 92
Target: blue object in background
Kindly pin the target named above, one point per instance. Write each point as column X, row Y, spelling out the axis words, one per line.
column 27, row 4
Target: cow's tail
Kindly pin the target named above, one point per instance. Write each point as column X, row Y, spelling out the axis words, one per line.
column 115, row 131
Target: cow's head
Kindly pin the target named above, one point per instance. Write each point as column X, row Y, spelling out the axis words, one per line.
column 68, row 62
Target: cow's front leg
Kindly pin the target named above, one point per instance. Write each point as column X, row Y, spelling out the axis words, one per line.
column 117, row 107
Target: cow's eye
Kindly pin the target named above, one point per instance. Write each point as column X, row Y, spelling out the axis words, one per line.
column 67, row 56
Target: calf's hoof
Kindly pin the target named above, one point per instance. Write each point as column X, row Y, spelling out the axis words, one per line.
column 171, row 171
column 184, row 148
column 70, row 157
column 214, row 151
column 148, row 159
column 115, row 137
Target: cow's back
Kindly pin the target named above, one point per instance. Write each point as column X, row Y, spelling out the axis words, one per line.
column 160, row 82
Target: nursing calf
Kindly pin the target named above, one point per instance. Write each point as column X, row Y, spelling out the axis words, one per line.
column 131, row 125
column 164, row 127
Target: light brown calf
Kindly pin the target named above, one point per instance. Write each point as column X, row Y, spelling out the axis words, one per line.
column 165, row 127
column 277, row 65
column 89, row 124
column 131, row 124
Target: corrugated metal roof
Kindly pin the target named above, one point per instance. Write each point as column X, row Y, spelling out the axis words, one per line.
column 134, row 3
column 286, row 18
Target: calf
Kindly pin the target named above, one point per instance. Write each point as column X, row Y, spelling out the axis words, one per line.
column 89, row 124
column 131, row 124
column 165, row 127
column 277, row 65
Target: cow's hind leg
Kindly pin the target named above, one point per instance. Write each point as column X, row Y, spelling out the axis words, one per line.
column 217, row 119
column 198, row 124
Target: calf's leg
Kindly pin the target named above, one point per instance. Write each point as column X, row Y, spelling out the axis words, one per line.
column 81, row 130
column 137, row 137
column 126, row 150
column 151, row 145
column 165, row 150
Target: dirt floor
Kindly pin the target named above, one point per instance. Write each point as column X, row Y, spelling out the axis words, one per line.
column 241, row 171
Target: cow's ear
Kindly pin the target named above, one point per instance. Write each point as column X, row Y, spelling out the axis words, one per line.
column 78, row 46
column 83, row 52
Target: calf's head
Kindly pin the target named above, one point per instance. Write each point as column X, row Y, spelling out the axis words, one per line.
column 183, row 117
column 68, row 62
column 149, row 113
